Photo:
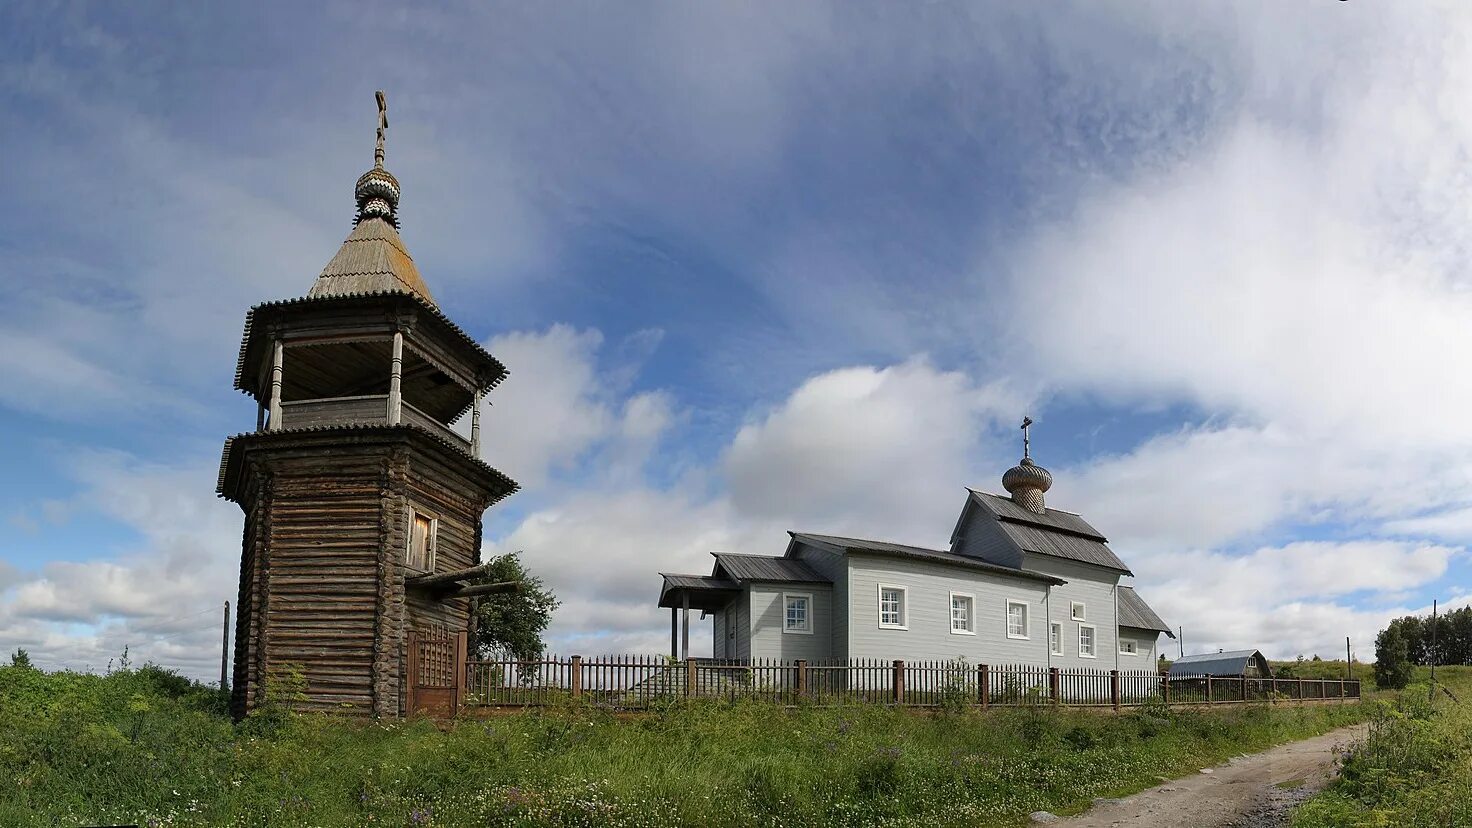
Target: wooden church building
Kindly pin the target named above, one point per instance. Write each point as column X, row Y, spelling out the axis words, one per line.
column 362, row 501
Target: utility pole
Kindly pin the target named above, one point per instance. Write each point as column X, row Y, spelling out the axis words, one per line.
column 225, row 647
column 1348, row 659
column 1432, row 691
column 1181, row 640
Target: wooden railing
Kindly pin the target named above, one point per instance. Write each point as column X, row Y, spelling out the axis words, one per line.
column 637, row 682
column 372, row 408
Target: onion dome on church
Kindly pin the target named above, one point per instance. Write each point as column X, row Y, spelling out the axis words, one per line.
column 1027, row 481
column 373, row 259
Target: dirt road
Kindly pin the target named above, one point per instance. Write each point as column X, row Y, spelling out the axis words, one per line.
column 1254, row 791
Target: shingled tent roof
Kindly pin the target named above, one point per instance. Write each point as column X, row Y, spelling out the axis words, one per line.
column 373, row 259
column 1134, row 612
column 1055, row 532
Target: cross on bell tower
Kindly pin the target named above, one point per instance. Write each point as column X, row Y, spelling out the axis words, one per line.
column 362, row 500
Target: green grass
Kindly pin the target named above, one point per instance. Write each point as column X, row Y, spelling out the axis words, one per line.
column 142, row 746
column 1417, row 768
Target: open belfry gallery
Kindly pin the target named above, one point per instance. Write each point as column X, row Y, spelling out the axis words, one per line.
column 362, row 501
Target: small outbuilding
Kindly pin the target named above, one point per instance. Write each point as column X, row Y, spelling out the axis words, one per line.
column 1233, row 664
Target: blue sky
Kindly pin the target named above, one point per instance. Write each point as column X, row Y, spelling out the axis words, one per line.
column 761, row 266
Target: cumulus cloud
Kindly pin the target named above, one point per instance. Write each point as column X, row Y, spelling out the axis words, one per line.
column 158, row 594
column 877, row 450
column 1264, row 218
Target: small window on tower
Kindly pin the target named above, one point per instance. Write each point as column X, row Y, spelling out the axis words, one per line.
column 421, row 550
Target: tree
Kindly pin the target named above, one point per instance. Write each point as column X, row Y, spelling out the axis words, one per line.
column 512, row 623
column 20, row 658
column 1392, row 658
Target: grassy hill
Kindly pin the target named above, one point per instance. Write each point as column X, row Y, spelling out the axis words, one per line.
column 145, row 746
column 1416, row 767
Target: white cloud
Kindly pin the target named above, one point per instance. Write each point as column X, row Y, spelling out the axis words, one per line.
column 160, row 596
column 883, row 451
column 550, row 409
column 1288, row 599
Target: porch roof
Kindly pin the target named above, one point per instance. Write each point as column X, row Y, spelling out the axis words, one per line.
column 705, row 592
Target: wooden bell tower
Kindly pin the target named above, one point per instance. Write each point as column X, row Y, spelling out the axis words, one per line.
column 359, row 488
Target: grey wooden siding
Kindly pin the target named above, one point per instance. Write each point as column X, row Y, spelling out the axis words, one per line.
column 1147, row 643
column 834, row 567
column 929, row 636
column 767, row 638
column 1092, row 585
column 741, row 623
column 979, row 536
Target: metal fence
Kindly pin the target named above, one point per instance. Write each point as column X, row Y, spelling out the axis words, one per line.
column 636, row 682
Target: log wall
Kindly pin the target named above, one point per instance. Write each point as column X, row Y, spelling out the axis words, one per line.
column 322, row 563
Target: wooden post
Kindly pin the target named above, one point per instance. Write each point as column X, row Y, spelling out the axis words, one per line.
column 576, row 679
column 689, row 676
column 1165, row 687
column 984, row 685
column 475, row 425
column 1208, row 690
column 1114, row 689
column 395, row 379
column 1300, row 688
column 674, row 633
column 802, row 677
column 685, row 628
column 225, row 649
column 897, row 680
column 1055, row 685
column 1244, row 687
column 274, row 422
column 457, row 688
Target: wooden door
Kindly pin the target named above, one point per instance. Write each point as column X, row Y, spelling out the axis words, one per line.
column 436, row 672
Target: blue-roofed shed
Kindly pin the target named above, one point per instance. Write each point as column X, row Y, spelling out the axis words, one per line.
column 1234, row 663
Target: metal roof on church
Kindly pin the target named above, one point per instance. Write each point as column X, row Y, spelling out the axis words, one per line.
column 1134, row 612
column 766, row 568
column 921, row 553
column 1055, row 532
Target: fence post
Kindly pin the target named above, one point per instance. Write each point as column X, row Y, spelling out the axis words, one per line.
column 802, row 677
column 899, row 681
column 1341, row 689
column 576, row 679
column 1244, row 687
column 1209, row 698
column 1165, row 687
column 1300, row 688
column 1055, row 686
column 689, row 676
column 984, row 685
column 1114, row 689
column 457, row 689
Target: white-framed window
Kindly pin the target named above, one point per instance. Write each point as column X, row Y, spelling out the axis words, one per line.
column 1055, row 638
column 893, row 607
column 1127, row 646
column 423, row 539
column 1077, row 607
column 797, row 613
column 963, row 613
column 1086, row 637
column 1016, row 619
